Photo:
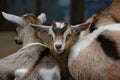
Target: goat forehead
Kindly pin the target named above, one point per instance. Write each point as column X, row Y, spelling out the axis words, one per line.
column 31, row 18
column 59, row 28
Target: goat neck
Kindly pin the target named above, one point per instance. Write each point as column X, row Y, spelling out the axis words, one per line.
column 63, row 59
column 31, row 36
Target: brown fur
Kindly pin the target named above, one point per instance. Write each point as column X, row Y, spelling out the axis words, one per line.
column 94, row 63
column 63, row 37
column 63, row 59
column 114, row 10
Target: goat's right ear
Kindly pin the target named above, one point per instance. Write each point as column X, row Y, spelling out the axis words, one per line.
column 80, row 27
column 40, row 27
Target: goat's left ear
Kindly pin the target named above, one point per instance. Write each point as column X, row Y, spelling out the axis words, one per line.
column 80, row 27
column 42, row 17
column 40, row 27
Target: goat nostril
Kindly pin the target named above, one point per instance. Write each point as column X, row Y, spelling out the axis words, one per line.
column 58, row 46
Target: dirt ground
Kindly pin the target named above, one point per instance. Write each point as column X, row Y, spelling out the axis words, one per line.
column 7, row 44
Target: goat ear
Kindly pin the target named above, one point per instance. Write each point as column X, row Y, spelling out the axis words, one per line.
column 13, row 18
column 80, row 27
column 40, row 27
column 42, row 17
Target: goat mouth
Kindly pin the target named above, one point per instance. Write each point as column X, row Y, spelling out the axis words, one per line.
column 59, row 51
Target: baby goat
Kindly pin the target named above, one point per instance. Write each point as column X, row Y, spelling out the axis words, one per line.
column 62, row 41
column 88, row 61
column 33, row 59
column 96, row 55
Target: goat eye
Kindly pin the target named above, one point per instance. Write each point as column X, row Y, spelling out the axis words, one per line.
column 69, row 35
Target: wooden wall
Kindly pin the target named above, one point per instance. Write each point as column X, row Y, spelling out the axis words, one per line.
column 75, row 18
column 77, row 11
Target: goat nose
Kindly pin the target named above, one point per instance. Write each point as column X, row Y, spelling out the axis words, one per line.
column 18, row 42
column 58, row 46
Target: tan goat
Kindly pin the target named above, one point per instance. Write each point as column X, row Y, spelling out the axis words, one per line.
column 88, row 61
column 34, row 59
column 97, row 56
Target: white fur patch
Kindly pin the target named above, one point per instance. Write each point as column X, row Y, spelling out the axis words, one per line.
column 85, row 41
column 59, row 25
column 32, row 44
column 47, row 74
column 20, row 72
column 114, row 27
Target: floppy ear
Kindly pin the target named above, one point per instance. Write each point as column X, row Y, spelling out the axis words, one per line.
column 80, row 27
column 13, row 18
column 42, row 17
column 40, row 27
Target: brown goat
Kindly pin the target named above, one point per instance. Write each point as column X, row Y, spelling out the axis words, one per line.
column 100, row 59
column 62, row 40
column 88, row 59
column 62, row 59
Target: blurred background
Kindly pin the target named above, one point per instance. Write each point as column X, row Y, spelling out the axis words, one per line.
column 73, row 11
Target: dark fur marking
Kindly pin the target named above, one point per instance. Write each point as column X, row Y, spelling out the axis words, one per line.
column 109, row 47
column 46, row 52
column 114, row 18
column 59, row 30
column 92, row 27
column 7, row 76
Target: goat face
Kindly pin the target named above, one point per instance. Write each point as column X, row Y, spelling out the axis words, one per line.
column 23, row 22
column 18, row 38
column 60, row 33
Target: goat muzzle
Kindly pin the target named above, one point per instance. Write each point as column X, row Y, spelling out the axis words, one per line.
column 18, row 42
